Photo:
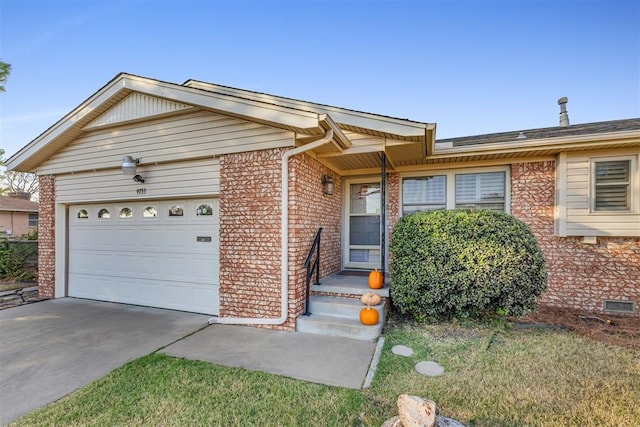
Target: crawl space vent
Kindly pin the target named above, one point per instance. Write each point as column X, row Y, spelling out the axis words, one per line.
column 619, row 306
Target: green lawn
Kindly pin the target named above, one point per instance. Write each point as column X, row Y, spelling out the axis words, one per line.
column 493, row 377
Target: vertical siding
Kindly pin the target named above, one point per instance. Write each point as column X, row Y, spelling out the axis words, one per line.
column 180, row 179
column 134, row 107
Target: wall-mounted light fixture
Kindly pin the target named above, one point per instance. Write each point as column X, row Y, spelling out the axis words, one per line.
column 327, row 185
column 129, row 165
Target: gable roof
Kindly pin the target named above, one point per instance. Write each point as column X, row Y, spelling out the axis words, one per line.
column 307, row 120
column 14, row 204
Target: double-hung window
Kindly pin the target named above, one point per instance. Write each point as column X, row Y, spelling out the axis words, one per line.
column 33, row 220
column 612, row 184
column 485, row 189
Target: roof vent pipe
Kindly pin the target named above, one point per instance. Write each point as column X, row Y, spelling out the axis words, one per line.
column 564, row 116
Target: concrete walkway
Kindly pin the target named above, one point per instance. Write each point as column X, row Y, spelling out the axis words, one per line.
column 51, row 348
column 321, row 359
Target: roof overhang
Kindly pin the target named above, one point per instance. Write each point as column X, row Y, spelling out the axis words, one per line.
column 308, row 121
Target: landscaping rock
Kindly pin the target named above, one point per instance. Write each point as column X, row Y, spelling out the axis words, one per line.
column 447, row 422
column 393, row 422
column 402, row 350
column 429, row 369
column 416, row 411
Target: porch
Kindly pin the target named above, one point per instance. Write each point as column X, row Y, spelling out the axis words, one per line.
column 334, row 307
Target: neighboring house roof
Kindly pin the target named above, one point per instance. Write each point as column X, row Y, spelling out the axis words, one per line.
column 13, row 204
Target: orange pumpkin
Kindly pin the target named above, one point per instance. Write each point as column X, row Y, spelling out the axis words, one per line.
column 376, row 279
column 369, row 316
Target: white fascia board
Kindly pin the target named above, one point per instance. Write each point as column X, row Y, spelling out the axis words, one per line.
column 67, row 122
column 589, row 141
column 303, row 120
column 391, row 125
column 226, row 103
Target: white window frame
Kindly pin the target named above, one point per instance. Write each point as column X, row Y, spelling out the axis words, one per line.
column 450, row 174
column 634, row 185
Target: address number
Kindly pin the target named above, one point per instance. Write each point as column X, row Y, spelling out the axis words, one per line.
column 140, row 191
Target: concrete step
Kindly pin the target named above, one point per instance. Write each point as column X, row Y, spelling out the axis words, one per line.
column 338, row 327
column 340, row 306
column 347, row 288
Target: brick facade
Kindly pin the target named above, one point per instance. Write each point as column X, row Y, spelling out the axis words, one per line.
column 46, row 236
column 310, row 209
column 250, row 197
column 579, row 275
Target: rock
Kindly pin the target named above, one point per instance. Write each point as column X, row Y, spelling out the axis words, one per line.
column 429, row 369
column 393, row 422
column 447, row 422
column 402, row 350
column 416, row 411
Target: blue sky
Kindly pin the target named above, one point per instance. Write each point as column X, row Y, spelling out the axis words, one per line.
column 472, row 67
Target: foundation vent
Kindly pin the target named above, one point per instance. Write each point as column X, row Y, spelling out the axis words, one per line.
column 619, row 306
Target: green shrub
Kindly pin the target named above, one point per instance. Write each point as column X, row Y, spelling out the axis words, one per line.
column 18, row 260
column 461, row 263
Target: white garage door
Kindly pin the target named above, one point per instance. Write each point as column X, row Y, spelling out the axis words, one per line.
column 153, row 253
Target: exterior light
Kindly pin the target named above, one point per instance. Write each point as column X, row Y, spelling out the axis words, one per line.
column 327, row 185
column 129, row 165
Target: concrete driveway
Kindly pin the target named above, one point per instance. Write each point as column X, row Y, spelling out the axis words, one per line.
column 51, row 348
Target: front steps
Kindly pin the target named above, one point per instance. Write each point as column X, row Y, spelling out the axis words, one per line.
column 335, row 307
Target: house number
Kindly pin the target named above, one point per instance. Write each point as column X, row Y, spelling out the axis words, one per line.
column 140, row 191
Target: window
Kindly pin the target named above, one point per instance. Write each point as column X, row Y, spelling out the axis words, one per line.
column 176, row 210
column 126, row 213
column 611, row 185
column 33, row 220
column 480, row 191
column 486, row 189
column 83, row 214
column 104, row 214
column 150, row 212
column 424, row 193
column 205, row 210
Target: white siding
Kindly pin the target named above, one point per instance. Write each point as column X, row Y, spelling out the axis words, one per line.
column 179, row 179
column 134, row 107
column 574, row 190
column 188, row 136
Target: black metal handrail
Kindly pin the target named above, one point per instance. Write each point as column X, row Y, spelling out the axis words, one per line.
column 312, row 267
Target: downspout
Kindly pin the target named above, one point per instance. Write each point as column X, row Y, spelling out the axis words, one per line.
column 284, row 244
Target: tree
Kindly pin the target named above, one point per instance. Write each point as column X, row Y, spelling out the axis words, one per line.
column 5, row 69
column 11, row 181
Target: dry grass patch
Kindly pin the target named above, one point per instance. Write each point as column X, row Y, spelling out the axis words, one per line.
column 495, row 376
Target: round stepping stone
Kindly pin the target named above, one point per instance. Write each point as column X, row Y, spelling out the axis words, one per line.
column 402, row 350
column 429, row 369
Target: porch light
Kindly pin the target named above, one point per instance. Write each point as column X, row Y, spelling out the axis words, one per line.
column 327, row 185
column 129, row 165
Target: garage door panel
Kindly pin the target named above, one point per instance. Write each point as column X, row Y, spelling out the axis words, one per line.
column 168, row 262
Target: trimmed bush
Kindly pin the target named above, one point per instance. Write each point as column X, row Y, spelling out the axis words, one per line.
column 460, row 263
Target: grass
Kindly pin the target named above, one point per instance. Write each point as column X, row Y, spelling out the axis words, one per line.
column 494, row 376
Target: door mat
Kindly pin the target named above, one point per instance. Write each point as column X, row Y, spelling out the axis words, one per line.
column 360, row 273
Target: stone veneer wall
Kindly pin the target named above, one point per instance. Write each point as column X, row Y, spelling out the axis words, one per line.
column 46, row 236
column 579, row 275
column 250, row 196
column 310, row 209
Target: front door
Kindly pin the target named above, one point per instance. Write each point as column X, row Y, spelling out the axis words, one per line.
column 362, row 224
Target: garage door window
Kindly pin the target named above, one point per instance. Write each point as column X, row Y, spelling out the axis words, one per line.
column 83, row 214
column 204, row 210
column 176, row 210
column 150, row 212
column 126, row 213
column 104, row 214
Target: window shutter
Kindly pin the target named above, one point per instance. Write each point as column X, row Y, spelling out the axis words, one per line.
column 612, row 183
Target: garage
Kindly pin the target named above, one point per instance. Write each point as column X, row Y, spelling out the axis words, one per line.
column 162, row 253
